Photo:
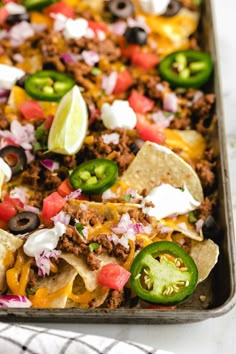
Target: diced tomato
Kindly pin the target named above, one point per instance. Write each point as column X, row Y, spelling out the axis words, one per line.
column 144, row 60
column 123, row 82
column 139, row 103
column 60, row 7
column 3, row 15
column 48, row 122
column 113, row 276
column 65, row 188
column 8, row 208
column 148, row 131
column 52, row 205
column 31, row 109
column 128, row 51
column 97, row 26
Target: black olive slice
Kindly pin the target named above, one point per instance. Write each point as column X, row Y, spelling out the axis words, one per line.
column 13, row 19
column 136, row 35
column 15, row 157
column 121, row 8
column 23, row 222
column 173, row 8
column 210, row 227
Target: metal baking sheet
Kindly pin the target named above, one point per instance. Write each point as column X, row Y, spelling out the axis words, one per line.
column 219, row 288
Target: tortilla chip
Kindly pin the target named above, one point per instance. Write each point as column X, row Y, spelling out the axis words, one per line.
column 205, row 255
column 57, row 285
column 8, row 246
column 89, row 277
column 155, row 164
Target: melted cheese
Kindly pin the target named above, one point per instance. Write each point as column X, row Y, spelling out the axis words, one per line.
column 189, row 152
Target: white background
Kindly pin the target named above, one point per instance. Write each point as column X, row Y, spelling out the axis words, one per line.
column 214, row 336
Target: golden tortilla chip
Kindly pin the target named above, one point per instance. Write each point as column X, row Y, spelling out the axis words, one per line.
column 53, row 291
column 205, row 255
column 155, row 164
column 89, row 277
column 8, row 246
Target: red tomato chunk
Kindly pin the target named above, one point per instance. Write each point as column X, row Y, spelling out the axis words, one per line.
column 52, row 205
column 140, row 103
column 31, row 110
column 123, row 82
column 113, row 276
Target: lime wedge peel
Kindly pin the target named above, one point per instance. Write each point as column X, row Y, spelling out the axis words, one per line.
column 70, row 124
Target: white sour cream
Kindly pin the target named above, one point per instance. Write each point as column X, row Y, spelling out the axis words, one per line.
column 43, row 239
column 154, row 7
column 75, row 28
column 9, row 75
column 118, row 115
column 169, row 200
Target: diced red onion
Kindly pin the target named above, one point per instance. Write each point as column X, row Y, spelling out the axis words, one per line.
column 59, row 22
column 20, row 32
column 83, row 207
column 43, row 261
column 139, row 21
column 50, row 164
column 161, row 120
column 112, row 138
column 3, row 35
column 90, row 57
column 18, row 57
column 160, row 87
column 39, row 27
column 170, row 102
column 133, row 194
column 109, row 82
column 118, row 28
column 69, row 57
column 164, row 229
column 90, row 33
column 73, row 195
column 14, row 301
column 199, row 225
column 62, row 217
column 31, row 208
column 4, row 94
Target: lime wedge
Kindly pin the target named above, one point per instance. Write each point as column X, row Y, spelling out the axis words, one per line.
column 69, row 125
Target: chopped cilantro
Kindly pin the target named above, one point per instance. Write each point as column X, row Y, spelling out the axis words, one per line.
column 191, row 217
column 96, row 71
column 79, row 228
column 93, row 246
column 127, row 197
column 41, row 136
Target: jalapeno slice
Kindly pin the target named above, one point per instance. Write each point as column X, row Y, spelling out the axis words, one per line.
column 48, row 85
column 37, row 4
column 186, row 68
column 94, row 176
column 163, row 273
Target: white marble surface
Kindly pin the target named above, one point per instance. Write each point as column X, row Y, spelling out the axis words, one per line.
column 214, row 336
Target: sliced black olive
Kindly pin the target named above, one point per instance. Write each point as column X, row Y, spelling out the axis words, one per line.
column 173, row 8
column 134, row 148
column 13, row 19
column 121, row 8
column 15, row 157
column 23, row 222
column 136, row 35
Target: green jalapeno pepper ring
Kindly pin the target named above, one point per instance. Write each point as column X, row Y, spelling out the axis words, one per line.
column 186, row 68
column 157, row 279
column 48, row 85
column 37, row 4
column 94, row 176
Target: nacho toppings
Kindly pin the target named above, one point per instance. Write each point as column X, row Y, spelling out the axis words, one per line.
column 105, row 159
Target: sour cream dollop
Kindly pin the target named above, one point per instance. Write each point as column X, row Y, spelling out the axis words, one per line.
column 43, row 239
column 154, row 7
column 118, row 115
column 169, row 200
column 75, row 28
